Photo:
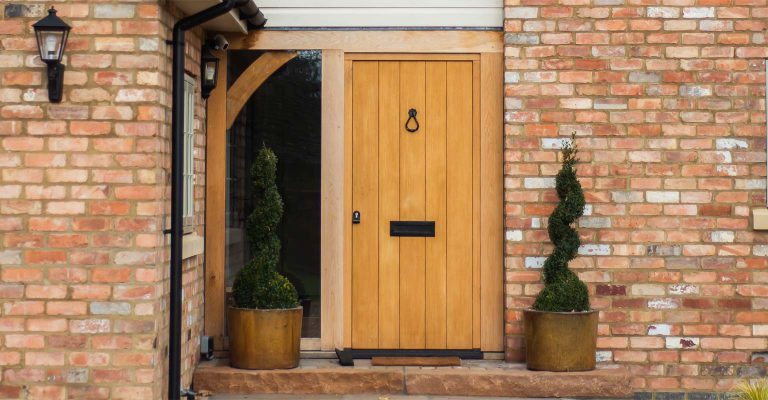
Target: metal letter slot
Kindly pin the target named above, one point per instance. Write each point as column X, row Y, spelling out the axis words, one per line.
column 412, row 228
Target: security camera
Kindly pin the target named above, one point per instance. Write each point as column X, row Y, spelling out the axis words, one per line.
column 219, row 42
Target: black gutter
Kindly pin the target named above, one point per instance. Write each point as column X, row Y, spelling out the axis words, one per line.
column 177, row 183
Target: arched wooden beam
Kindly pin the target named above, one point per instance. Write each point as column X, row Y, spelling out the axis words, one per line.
column 252, row 78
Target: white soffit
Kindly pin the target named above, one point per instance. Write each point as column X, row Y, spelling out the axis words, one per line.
column 383, row 13
column 229, row 22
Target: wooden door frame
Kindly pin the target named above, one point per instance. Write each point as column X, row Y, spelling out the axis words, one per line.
column 337, row 46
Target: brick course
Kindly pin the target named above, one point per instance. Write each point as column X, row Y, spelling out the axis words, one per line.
column 666, row 98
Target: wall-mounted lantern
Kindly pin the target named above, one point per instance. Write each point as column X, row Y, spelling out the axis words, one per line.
column 209, row 65
column 52, row 33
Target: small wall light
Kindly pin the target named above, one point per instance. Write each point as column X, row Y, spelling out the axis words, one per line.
column 210, row 71
column 52, row 33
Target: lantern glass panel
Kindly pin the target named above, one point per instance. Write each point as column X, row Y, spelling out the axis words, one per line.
column 210, row 72
column 50, row 43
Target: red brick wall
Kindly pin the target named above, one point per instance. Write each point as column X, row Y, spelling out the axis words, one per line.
column 83, row 202
column 666, row 98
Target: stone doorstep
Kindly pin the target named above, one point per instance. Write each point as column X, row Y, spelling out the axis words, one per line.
column 473, row 378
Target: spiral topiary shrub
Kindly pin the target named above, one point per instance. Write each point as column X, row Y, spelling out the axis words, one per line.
column 563, row 290
column 258, row 285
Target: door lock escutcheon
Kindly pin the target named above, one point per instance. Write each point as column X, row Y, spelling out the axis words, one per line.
column 355, row 217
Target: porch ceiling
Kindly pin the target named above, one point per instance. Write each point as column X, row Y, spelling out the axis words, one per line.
column 229, row 22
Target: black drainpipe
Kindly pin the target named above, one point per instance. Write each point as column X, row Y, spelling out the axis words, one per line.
column 177, row 183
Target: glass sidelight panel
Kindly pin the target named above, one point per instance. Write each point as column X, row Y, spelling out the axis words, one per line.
column 284, row 114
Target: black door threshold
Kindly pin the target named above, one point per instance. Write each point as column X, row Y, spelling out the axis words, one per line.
column 347, row 356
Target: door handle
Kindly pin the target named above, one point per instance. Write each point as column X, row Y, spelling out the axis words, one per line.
column 412, row 117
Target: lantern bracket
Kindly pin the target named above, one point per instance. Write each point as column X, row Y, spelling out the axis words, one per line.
column 55, row 82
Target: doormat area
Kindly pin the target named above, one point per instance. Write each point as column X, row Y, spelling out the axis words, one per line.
column 416, row 361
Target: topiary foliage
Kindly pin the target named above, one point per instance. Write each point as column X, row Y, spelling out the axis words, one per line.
column 258, row 284
column 563, row 290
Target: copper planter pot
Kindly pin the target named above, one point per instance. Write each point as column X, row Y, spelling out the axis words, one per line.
column 264, row 339
column 560, row 341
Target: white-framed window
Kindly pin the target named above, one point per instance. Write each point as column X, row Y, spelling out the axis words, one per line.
column 189, row 150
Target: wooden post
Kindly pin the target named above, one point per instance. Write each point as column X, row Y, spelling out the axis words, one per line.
column 332, row 203
column 215, row 208
column 491, row 200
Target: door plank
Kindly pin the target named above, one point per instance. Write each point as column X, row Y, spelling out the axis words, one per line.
column 491, row 218
column 434, row 129
column 476, row 204
column 347, row 263
column 365, row 296
column 459, row 207
column 389, row 204
column 412, row 208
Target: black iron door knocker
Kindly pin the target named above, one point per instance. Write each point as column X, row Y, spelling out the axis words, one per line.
column 412, row 116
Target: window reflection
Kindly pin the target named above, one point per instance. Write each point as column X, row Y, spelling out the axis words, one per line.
column 284, row 114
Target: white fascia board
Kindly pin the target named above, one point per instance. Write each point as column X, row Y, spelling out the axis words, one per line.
column 384, row 17
column 380, row 3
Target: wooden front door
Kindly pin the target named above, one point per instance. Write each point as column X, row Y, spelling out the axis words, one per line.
column 419, row 292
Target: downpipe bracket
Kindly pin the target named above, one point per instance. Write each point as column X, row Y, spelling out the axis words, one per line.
column 189, row 394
